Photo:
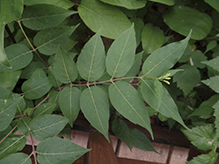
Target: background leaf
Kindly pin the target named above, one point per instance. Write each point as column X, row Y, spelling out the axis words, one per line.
column 98, row 15
column 152, row 38
column 213, row 3
column 216, row 114
column 128, row 103
column 164, row 58
column 214, row 63
column 166, row 2
column 212, row 82
column 182, row 19
column 49, row 39
column 94, row 104
column 46, row 126
column 8, row 109
column 8, row 80
column 17, row 158
column 121, row 55
column 64, row 67
column 205, row 158
column 133, row 4
column 91, row 61
column 57, row 150
column 37, row 86
column 69, row 102
column 37, row 17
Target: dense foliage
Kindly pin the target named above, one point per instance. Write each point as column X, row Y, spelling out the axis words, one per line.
column 108, row 59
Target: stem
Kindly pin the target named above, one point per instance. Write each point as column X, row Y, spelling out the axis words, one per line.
column 33, row 148
column 34, row 49
column 8, row 134
column 10, row 34
column 41, row 102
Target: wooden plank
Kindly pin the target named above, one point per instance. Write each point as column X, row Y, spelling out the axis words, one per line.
column 179, row 155
column 102, row 151
column 137, row 154
column 132, row 161
column 80, row 137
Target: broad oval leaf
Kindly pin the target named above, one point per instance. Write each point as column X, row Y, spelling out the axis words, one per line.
column 49, row 39
column 91, row 61
column 66, row 4
column 121, row 54
column 45, row 108
column 46, row 126
column 166, row 2
column 94, row 104
column 11, row 145
column 128, row 103
column 37, row 86
column 57, row 150
column 8, row 80
column 10, row 10
column 152, row 38
column 98, row 15
column 164, row 58
column 69, row 102
column 37, row 17
column 23, row 125
column 64, row 67
column 213, row 3
column 182, row 19
column 19, row 57
column 129, row 4
column 166, row 105
column 17, row 158
column 8, row 109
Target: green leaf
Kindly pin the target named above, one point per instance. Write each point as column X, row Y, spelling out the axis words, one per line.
column 4, row 93
column 12, row 144
column 45, row 108
column 167, row 107
column 8, row 109
column 94, row 104
column 10, row 10
column 182, row 19
column 57, row 150
column 133, row 4
column 139, row 25
column 66, row 4
column 187, row 79
column 19, row 57
column 159, row 90
column 212, row 83
column 23, row 126
column 214, row 63
column 64, row 67
column 98, row 15
column 164, row 58
column 121, row 54
column 209, row 158
column 211, row 45
column 197, row 58
column 202, row 136
column 216, row 114
column 166, row 2
column 128, row 103
column 152, row 38
column 91, row 61
column 132, row 137
column 69, row 102
column 37, row 86
column 17, row 158
column 37, row 17
column 213, row 3
column 49, row 39
column 47, row 125
column 8, row 80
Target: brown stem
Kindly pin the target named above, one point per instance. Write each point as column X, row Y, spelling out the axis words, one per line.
column 33, row 148
column 8, row 134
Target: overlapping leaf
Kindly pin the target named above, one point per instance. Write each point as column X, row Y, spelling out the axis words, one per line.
column 166, row 2
column 45, row 108
column 166, row 107
column 182, row 19
column 64, row 67
column 8, row 109
column 91, row 61
column 133, row 4
column 216, row 114
column 49, row 39
column 8, row 80
column 46, row 126
column 127, row 102
column 98, row 15
column 10, row 10
column 214, row 63
column 213, row 3
column 17, row 158
column 37, row 17
column 212, row 82
column 94, row 104
column 37, row 86
column 57, row 150
column 164, row 58
column 69, row 102
column 209, row 158
column 121, row 55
